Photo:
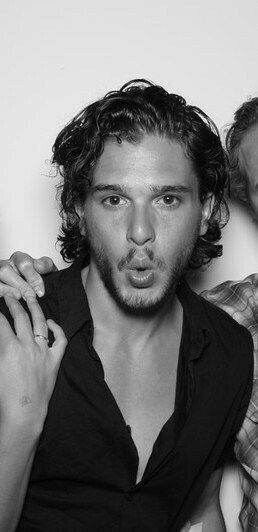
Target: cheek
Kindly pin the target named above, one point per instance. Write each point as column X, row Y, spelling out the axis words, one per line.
column 183, row 228
column 178, row 240
column 105, row 237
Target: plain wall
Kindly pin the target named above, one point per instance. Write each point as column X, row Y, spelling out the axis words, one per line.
column 59, row 55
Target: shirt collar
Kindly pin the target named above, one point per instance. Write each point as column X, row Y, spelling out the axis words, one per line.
column 75, row 312
column 73, row 303
column 196, row 316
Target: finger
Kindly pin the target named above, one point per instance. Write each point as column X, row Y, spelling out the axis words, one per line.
column 59, row 345
column 25, row 265
column 20, row 318
column 11, row 264
column 45, row 265
column 6, row 290
column 39, row 323
column 6, row 332
column 10, row 278
column 19, row 256
column 42, row 265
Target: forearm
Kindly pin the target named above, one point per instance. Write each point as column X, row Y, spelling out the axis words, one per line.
column 28, row 370
column 208, row 511
column 17, row 450
column 212, row 520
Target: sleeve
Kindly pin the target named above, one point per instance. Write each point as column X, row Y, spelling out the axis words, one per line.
column 240, row 300
column 246, row 451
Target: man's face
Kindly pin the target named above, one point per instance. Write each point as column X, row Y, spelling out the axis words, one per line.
column 141, row 217
column 248, row 155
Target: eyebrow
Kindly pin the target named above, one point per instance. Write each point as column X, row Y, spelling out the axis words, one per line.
column 170, row 188
column 163, row 189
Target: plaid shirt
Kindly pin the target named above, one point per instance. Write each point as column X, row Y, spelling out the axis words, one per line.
column 240, row 300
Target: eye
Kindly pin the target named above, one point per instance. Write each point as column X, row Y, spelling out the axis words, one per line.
column 114, row 201
column 169, row 200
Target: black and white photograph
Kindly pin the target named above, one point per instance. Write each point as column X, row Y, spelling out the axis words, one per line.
column 129, row 266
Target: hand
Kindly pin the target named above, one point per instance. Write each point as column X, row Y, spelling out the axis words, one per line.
column 20, row 275
column 28, row 367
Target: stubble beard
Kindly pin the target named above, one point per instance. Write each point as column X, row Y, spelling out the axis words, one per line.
column 137, row 304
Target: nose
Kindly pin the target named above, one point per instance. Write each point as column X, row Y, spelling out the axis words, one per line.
column 140, row 227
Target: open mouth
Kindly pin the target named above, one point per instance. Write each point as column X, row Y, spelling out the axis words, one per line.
column 141, row 277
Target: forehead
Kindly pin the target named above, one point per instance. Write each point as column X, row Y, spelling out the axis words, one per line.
column 249, row 153
column 153, row 160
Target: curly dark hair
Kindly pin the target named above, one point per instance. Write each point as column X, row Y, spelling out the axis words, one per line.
column 138, row 108
column 245, row 117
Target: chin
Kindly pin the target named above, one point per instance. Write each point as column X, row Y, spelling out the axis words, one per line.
column 141, row 305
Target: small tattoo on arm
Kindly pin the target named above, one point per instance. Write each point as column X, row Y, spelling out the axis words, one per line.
column 25, row 400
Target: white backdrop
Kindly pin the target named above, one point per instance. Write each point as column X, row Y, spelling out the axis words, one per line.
column 58, row 55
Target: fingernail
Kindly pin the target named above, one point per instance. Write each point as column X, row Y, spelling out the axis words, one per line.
column 39, row 292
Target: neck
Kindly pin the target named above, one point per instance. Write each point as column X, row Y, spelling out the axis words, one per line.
column 125, row 328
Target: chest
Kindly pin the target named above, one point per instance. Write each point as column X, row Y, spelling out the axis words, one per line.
column 144, row 389
column 84, row 445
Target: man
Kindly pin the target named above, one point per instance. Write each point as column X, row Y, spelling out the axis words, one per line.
column 240, row 300
column 242, row 146
column 153, row 386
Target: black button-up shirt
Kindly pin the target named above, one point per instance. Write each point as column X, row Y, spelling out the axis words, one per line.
column 84, row 472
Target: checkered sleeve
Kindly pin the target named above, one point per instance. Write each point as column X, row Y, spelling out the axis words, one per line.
column 240, row 300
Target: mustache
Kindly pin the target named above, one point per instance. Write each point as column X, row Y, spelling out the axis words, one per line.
column 124, row 262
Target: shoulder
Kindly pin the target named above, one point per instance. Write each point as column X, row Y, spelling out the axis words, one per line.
column 235, row 292
column 53, row 280
column 239, row 299
column 220, row 319
column 228, row 338
column 48, row 302
column 230, row 341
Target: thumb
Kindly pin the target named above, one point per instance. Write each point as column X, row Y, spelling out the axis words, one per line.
column 60, row 343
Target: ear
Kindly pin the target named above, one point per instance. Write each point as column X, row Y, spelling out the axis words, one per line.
column 207, row 207
column 80, row 211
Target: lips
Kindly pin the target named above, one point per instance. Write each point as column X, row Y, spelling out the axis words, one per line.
column 140, row 264
column 140, row 272
column 141, row 278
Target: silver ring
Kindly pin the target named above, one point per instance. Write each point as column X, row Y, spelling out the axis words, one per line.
column 41, row 336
